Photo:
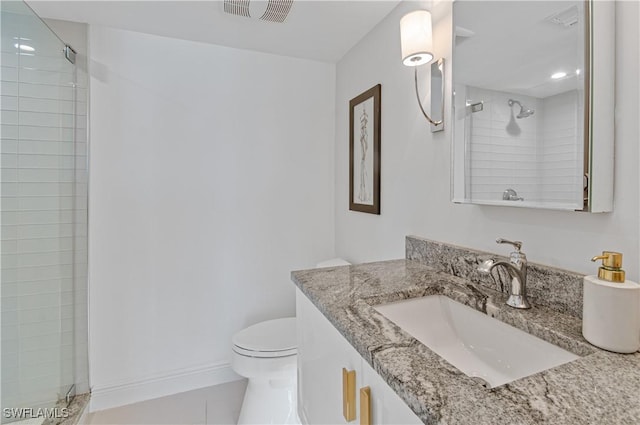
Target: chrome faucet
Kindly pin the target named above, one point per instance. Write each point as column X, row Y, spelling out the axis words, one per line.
column 511, row 195
column 517, row 269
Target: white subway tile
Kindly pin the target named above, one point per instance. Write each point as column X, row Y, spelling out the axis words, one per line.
column 10, row 333
column 48, row 63
column 9, row 275
column 45, row 217
column 40, row 329
column 45, row 119
column 9, row 117
column 9, row 303
column 9, row 317
column 9, row 89
column 46, row 161
column 9, row 74
column 44, row 314
column 45, row 175
column 42, row 389
column 35, row 357
column 9, row 160
column 36, row 301
column 40, row 91
column 9, row 189
column 8, row 103
column 46, row 105
column 39, row 371
column 81, row 269
column 45, row 189
column 67, row 340
column 10, row 360
column 9, row 58
column 45, row 245
column 42, row 77
column 9, row 174
column 9, row 146
column 35, row 231
column 10, row 204
column 45, row 203
column 9, row 232
column 39, row 147
column 10, row 289
column 45, row 133
column 36, row 259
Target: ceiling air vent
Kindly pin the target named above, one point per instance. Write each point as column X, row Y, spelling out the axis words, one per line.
column 566, row 18
column 237, row 7
column 265, row 10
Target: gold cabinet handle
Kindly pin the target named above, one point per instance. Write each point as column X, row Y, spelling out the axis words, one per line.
column 365, row 406
column 348, row 394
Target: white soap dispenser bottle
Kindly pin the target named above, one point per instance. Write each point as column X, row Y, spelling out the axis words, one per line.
column 611, row 307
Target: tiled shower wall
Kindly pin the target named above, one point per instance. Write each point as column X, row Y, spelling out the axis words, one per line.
column 537, row 156
column 504, row 149
column 44, row 210
column 561, row 155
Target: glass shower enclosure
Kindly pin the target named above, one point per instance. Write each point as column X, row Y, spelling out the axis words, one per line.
column 43, row 206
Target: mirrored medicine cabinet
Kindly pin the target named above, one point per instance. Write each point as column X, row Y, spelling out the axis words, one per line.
column 532, row 100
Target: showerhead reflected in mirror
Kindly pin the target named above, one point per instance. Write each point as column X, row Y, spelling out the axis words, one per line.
column 513, row 128
column 523, row 113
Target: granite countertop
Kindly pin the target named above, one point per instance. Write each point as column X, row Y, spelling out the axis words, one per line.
column 599, row 387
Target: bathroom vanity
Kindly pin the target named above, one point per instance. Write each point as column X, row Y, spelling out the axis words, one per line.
column 400, row 380
column 334, row 379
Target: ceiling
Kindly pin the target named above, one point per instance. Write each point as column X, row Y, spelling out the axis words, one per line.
column 514, row 47
column 318, row 30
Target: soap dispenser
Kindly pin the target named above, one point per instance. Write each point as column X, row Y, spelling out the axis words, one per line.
column 611, row 307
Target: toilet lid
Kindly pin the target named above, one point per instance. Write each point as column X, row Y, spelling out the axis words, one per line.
column 333, row 263
column 273, row 338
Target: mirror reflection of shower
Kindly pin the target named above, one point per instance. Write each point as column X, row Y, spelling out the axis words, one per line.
column 524, row 113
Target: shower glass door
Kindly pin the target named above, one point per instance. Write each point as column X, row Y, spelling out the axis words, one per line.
column 38, row 224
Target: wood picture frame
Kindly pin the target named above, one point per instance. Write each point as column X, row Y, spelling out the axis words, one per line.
column 364, row 151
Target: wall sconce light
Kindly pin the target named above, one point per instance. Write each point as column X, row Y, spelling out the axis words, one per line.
column 416, row 40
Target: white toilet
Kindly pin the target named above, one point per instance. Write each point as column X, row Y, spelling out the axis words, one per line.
column 266, row 354
column 333, row 263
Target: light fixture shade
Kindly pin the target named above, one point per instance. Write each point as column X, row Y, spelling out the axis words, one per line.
column 415, row 37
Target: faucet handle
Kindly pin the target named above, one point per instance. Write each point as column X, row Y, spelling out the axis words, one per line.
column 516, row 244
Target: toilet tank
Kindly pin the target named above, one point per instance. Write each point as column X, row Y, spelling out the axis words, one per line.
column 333, row 263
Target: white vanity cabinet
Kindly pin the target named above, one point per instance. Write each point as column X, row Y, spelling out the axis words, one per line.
column 324, row 396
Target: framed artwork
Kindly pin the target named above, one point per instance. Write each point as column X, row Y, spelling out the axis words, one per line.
column 364, row 152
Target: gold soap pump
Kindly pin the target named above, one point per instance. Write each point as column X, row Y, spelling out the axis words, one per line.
column 611, row 269
column 611, row 307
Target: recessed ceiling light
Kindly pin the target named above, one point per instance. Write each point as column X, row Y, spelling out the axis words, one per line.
column 24, row 47
column 558, row 75
column 577, row 72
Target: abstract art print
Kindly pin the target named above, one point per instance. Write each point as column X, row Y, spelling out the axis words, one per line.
column 364, row 152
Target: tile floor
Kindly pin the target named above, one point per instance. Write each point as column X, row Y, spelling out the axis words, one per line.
column 32, row 421
column 212, row 405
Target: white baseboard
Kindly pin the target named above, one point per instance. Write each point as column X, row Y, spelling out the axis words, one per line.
column 174, row 382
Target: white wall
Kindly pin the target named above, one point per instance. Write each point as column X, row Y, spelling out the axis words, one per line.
column 211, row 179
column 415, row 190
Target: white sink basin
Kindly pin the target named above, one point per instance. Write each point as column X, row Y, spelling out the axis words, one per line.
column 478, row 345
